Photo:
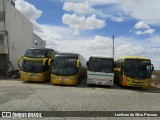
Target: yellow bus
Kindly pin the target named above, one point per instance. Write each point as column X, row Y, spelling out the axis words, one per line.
column 133, row 71
column 68, row 69
column 34, row 65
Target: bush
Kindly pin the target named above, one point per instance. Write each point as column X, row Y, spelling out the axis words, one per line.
column 156, row 77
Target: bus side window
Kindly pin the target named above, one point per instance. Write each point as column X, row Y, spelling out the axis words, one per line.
column 121, row 66
column 118, row 64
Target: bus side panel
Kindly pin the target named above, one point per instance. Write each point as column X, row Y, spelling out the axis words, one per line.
column 117, row 75
column 83, row 68
column 83, row 72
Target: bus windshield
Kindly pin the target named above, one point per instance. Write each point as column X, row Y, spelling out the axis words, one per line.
column 137, row 68
column 64, row 66
column 101, row 65
column 35, row 53
column 33, row 66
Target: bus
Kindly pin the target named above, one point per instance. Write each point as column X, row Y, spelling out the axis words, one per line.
column 100, row 70
column 68, row 69
column 133, row 71
column 34, row 64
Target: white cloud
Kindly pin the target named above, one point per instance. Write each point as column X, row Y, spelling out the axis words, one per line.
column 82, row 23
column 49, row 33
column 148, row 31
column 117, row 19
column 146, row 27
column 95, row 2
column 87, row 7
column 99, row 42
column 29, row 10
column 100, row 46
column 141, row 24
column 80, row 8
column 129, row 49
column 154, row 40
column 145, row 10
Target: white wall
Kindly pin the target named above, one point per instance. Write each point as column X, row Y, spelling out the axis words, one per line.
column 39, row 42
column 1, row 16
column 1, row 26
column 3, row 48
column 20, row 33
column 1, row 5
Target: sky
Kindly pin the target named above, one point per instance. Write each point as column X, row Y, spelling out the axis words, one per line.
column 87, row 26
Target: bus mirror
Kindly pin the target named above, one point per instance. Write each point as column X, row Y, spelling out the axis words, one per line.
column 152, row 67
column 87, row 64
column 78, row 63
column 18, row 60
column 49, row 61
column 44, row 61
column 122, row 68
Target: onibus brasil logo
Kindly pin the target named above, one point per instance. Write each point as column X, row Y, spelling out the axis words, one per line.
column 21, row 114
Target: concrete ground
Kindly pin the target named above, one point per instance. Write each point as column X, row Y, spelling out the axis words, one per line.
column 16, row 95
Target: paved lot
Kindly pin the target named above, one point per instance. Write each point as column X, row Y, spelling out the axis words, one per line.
column 16, row 95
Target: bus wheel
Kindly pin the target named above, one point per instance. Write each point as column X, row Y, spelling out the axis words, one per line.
column 89, row 85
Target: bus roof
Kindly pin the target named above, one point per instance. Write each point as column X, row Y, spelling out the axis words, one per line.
column 98, row 56
column 132, row 57
column 67, row 54
column 40, row 49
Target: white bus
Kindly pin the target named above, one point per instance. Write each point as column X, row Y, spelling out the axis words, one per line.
column 100, row 70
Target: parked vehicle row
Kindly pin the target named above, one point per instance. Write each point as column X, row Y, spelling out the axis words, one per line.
column 69, row 68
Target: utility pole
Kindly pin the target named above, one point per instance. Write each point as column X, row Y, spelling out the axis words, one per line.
column 113, row 46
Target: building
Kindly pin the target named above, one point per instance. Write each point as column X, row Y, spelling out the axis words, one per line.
column 16, row 35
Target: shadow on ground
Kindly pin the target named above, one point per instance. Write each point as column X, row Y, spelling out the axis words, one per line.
column 83, row 84
column 152, row 89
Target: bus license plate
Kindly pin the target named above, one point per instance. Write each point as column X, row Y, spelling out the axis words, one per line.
column 61, row 82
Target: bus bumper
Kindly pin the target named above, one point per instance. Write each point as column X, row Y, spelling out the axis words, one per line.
column 100, row 81
column 144, row 83
column 64, row 80
column 38, row 77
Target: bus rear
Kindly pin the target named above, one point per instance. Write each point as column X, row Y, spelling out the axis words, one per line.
column 100, row 71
